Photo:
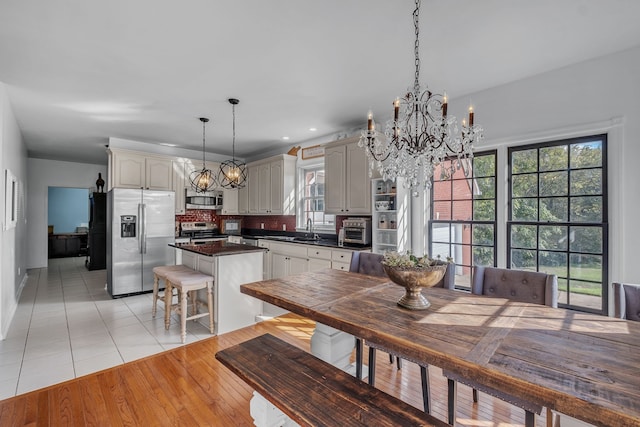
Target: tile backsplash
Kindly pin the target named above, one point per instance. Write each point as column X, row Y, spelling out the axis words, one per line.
column 271, row 222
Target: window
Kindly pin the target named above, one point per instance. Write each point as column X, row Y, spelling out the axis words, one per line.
column 463, row 216
column 311, row 187
column 558, row 217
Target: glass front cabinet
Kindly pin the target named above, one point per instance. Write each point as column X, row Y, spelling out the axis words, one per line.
column 391, row 215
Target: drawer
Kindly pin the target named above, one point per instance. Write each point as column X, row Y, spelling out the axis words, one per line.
column 341, row 256
column 337, row 265
column 319, row 253
column 292, row 249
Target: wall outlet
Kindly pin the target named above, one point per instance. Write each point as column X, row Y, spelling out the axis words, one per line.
column 284, row 227
column 262, row 225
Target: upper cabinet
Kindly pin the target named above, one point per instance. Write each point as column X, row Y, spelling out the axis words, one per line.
column 133, row 170
column 271, row 185
column 178, row 186
column 347, row 180
column 230, row 201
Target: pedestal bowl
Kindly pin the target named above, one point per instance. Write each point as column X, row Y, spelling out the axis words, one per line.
column 413, row 279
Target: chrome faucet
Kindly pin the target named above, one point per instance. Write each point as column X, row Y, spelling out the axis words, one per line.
column 310, row 228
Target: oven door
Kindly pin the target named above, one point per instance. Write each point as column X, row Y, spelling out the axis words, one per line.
column 354, row 235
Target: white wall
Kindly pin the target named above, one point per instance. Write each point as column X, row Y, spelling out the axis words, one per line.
column 13, row 155
column 42, row 174
column 596, row 96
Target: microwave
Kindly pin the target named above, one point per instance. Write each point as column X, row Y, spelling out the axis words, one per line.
column 207, row 200
column 357, row 230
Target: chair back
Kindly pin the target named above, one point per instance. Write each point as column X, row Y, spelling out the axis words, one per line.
column 518, row 285
column 626, row 301
column 371, row 264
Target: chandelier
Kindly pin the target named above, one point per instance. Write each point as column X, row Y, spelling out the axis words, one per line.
column 233, row 173
column 203, row 180
column 421, row 135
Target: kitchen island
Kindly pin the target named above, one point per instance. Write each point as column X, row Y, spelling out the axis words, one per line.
column 231, row 265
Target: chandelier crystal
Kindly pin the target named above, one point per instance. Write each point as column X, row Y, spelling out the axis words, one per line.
column 421, row 134
column 233, row 173
column 203, row 180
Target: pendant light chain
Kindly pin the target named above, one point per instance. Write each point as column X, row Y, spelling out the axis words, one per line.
column 233, row 173
column 416, row 50
column 233, row 144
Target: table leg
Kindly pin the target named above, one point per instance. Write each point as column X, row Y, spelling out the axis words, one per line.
column 333, row 346
column 265, row 414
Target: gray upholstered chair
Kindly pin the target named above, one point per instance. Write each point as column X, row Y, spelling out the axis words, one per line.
column 626, row 301
column 519, row 285
column 371, row 264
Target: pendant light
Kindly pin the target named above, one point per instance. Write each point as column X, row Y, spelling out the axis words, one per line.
column 203, row 180
column 233, row 173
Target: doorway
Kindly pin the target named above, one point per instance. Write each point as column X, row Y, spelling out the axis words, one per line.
column 68, row 220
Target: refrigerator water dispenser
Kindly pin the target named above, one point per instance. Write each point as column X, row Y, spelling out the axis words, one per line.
column 127, row 226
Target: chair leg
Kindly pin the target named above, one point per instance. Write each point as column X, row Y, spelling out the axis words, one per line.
column 390, row 358
column 168, row 292
column 155, row 295
column 372, row 366
column 475, row 396
column 424, row 374
column 183, row 315
column 210, row 304
column 399, row 362
column 358, row 358
column 451, row 400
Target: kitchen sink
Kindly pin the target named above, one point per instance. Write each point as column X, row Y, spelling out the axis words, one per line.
column 306, row 239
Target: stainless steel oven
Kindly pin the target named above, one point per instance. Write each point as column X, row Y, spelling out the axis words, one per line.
column 357, row 230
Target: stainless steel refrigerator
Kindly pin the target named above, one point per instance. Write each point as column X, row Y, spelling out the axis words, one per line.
column 140, row 226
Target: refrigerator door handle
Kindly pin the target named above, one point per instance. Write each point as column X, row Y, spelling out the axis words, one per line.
column 144, row 228
column 140, row 228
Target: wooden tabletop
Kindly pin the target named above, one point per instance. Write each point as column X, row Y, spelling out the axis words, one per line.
column 582, row 365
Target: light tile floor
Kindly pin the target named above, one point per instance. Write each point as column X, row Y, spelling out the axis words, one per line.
column 66, row 325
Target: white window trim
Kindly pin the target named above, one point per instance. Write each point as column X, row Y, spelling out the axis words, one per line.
column 300, row 227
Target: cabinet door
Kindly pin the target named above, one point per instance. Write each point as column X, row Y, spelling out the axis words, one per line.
column 264, row 188
column 178, row 186
column 243, row 199
column 334, row 172
column 129, row 170
column 279, row 265
column 298, row 265
column 158, row 174
column 230, row 201
column 358, row 183
column 277, row 187
column 254, row 188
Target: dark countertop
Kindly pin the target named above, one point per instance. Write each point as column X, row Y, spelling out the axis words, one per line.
column 219, row 248
column 326, row 240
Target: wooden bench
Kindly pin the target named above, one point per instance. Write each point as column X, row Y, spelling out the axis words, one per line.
column 314, row 393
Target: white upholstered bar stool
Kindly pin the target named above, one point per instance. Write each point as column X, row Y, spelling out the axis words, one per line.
column 187, row 284
column 160, row 273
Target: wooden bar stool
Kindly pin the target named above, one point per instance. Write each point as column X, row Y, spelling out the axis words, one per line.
column 160, row 273
column 188, row 283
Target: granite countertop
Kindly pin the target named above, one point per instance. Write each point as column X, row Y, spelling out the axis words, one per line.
column 217, row 248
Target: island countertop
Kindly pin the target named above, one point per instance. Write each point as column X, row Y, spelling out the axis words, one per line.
column 219, row 248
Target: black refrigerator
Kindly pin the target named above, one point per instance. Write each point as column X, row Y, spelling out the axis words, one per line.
column 97, row 250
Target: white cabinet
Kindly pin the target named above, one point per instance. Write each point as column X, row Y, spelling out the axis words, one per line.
column 178, row 186
column 389, row 221
column 266, row 265
column 271, row 185
column 137, row 170
column 346, row 178
column 319, row 258
column 287, row 259
column 243, row 199
column 230, row 201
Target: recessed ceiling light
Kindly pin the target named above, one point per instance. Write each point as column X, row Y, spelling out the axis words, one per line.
column 286, row 138
column 167, row 144
column 313, row 129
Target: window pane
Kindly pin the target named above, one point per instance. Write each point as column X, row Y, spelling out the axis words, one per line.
column 563, row 295
column 585, row 294
column 462, row 210
column 554, row 209
column 483, row 234
column 553, row 237
column 525, row 210
column 524, row 185
column 553, row 263
column 553, row 158
column 442, row 210
column 442, row 190
column 462, row 189
column 485, row 188
column 586, row 209
column 484, row 210
column 440, row 249
column 586, row 155
column 523, row 259
column 553, row 184
column 440, row 233
column 484, row 166
column 586, row 239
column 483, row 256
column 586, row 181
column 524, row 236
column 524, row 161
column 585, row 267
column 461, row 254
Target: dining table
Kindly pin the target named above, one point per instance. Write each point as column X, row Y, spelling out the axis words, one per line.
column 583, row 365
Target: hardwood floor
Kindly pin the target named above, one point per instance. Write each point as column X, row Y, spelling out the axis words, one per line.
column 188, row 386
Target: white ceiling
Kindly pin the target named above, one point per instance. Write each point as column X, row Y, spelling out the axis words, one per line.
column 79, row 72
